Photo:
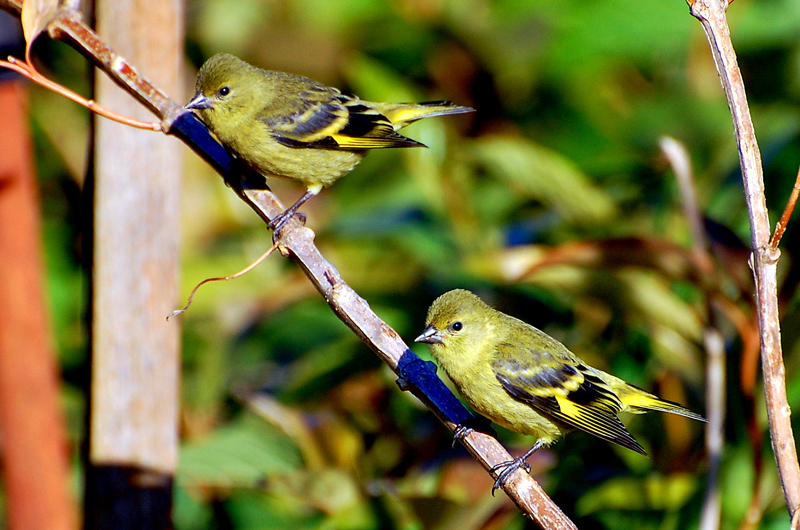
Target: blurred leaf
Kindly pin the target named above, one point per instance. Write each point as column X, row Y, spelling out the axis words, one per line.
column 66, row 126
column 331, row 491
column 228, row 25
column 242, row 454
column 373, row 81
column 539, row 173
column 651, row 297
column 652, row 492
column 190, row 513
column 253, row 510
column 374, row 267
column 321, row 367
column 663, row 256
column 291, row 422
column 323, row 15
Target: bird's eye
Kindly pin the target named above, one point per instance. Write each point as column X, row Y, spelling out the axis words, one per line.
column 224, row 91
column 456, row 326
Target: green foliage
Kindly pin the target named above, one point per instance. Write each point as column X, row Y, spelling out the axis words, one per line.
column 551, row 202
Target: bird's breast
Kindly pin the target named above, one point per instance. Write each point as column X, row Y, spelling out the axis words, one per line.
column 476, row 381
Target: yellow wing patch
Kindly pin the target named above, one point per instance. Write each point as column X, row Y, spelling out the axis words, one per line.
column 375, row 142
column 569, row 395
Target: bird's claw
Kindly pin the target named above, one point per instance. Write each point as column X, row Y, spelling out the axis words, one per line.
column 279, row 222
column 508, row 468
column 511, row 466
column 461, row 432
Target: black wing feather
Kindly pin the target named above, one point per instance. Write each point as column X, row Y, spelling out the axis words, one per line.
column 590, row 405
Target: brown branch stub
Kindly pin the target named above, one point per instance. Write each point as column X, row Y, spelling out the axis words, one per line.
column 711, row 14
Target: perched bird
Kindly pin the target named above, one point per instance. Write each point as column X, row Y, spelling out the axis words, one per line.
column 526, row 381
column 292, row 127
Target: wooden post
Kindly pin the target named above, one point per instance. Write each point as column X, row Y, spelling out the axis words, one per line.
column 135, row 351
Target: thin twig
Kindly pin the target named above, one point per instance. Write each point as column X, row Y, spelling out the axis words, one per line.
column 26, row 69
column 678, row 158
column 780, row 228
column 298, row 242
column 715, row 431
column 242, row 272
column 714, row 343
column 764, row 260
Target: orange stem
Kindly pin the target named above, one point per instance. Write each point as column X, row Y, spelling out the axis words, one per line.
column 26, row 69
column 780, row 228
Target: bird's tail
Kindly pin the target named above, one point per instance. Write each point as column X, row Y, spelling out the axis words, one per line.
column 640, row 401
column 402, row 114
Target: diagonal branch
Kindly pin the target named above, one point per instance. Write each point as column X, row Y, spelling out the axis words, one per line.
column 764, row 260
column 297, row 243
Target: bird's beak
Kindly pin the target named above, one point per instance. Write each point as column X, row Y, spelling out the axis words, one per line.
column 199, row 101
column 430, row 335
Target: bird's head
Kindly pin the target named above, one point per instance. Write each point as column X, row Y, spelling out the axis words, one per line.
column 226, row 87
column 456, row 321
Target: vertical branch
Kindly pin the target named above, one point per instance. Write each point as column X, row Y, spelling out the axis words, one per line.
column 715, row 431
column 712, row 337
column 711, row 13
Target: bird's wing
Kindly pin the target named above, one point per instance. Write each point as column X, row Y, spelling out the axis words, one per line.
column 369, row 129
column 321, row 117
column 563, row 389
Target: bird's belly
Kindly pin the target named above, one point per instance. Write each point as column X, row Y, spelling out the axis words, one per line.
column 307, row 165
column 488, row 398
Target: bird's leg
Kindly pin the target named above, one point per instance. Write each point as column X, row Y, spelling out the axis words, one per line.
column 511, row 466
column 477, row 423
column 277, row 224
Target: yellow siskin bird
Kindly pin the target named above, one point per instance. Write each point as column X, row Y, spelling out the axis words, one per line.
column 288, row 126
column 526, row 381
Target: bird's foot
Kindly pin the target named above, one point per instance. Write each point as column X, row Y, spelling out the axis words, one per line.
column 506, row 469
column 461, row 432
column 477, row 423
column 279, row 222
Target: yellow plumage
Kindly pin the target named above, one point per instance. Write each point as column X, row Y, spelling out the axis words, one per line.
column 292, row 127
column 526, row 381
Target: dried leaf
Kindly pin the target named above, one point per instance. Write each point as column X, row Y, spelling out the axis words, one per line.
column 36, row 15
